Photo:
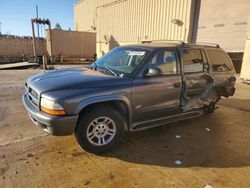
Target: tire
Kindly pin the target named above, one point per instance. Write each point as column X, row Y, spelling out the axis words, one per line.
column 94, row 124
column 210, row 108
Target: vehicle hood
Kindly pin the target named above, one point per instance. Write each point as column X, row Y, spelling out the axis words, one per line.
column 67, row 78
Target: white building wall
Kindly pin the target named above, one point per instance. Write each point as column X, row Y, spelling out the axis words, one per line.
column 224, row 22
column 131, row 21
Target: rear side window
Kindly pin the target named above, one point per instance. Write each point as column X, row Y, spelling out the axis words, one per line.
column 220, row 61
column 192, row 61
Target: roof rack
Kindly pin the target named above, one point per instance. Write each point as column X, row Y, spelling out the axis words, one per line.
column 164, row 40
column 183, row 43
column 209, row 44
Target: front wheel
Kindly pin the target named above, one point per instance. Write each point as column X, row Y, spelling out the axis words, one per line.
column 100, row 130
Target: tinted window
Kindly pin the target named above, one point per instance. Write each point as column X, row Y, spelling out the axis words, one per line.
column 192, row 61
column 165, row 60
column 220, row 61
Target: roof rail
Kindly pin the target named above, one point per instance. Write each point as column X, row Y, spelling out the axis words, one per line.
column 164, row 40
column 209, row 44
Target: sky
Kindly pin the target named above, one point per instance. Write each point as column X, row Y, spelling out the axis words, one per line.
column 15, row 15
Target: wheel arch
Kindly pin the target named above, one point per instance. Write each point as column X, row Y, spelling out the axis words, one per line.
column 119, row 103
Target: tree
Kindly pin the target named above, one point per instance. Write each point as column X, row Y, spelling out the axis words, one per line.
column 57, row 26
column 70, row 29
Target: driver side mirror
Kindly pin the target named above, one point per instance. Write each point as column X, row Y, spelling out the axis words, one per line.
column 152, row 72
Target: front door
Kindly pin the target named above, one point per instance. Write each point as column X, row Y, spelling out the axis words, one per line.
column 158, row 96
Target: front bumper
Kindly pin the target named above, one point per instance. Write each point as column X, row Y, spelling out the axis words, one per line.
column 55, row 125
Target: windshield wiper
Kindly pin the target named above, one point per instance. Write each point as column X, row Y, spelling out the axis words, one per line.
column 111, row 71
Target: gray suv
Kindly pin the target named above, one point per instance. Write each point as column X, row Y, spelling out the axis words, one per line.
column 131, row 88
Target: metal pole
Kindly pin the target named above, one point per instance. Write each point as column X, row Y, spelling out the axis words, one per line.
column 45, row 62
column 37, row 18
column 0, row 29
column 34, row 42
column 51, row 43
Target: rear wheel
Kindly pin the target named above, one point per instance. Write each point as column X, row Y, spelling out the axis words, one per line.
column 100, row 130
column 210, row 108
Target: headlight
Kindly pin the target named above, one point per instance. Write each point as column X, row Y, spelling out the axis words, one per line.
column 51, row 107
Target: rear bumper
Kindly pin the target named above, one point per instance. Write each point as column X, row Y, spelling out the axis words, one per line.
column 54, row 125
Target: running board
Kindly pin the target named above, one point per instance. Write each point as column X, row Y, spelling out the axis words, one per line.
column 165, row 120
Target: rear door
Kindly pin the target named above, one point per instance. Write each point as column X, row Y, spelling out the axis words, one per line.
column 195, row 71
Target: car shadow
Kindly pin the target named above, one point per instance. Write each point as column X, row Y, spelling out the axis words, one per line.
column 214, row 140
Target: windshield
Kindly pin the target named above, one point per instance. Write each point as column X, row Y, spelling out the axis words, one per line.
column 122, row 61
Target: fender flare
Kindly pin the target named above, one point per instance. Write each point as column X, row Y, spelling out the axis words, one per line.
column 105, row 98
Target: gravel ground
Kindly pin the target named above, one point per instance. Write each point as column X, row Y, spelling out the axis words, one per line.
column 213, row 149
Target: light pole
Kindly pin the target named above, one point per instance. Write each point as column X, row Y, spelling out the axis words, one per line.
column 37, row 18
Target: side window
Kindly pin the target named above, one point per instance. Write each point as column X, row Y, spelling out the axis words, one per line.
column 192, row 61
column 220, row 61
column 166, row 61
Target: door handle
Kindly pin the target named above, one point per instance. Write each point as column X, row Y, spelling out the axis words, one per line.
column 177, row 85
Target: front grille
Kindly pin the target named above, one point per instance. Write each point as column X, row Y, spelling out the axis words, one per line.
column 32, row 96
